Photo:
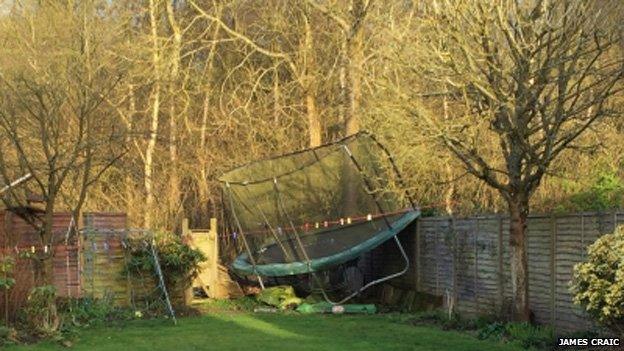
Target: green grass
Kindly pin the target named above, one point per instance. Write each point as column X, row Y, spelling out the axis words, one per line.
column 247, row 330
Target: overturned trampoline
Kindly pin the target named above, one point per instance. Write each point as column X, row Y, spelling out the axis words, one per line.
column 317, row 209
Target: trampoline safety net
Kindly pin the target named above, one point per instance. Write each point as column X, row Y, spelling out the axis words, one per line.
column 315, row 208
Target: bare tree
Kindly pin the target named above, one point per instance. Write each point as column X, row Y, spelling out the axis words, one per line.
column 532, row 75
column 51, row 105
column 351, row 22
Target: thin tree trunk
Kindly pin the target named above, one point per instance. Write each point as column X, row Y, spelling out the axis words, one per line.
column 355, row 60
column 314, row 123
column 174, row 179
column 450, row 190
column 309, row 86
column 43, row 262
column 344, row 93
column 156, row 91
column 518, row 210
column 129, row 186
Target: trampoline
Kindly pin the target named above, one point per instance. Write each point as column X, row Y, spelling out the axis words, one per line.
column 315, row 209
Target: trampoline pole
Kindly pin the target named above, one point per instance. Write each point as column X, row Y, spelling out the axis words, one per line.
column 367, row 185
column 381, row 280
column 266, row 221
column 240, row 228
column 400, row 246
column 303, row 250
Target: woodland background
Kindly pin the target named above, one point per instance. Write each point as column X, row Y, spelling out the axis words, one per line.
column 146, row 103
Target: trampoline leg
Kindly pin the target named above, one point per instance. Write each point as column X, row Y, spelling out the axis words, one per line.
column 260, row 281
column 377, row 281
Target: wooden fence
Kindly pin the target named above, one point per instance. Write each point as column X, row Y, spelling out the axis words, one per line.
column 468, row 260
column 73, row 272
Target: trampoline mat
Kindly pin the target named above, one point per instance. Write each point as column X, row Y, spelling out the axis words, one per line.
column 323, row 242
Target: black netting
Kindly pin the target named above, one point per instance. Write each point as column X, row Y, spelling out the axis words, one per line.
column 314, row 203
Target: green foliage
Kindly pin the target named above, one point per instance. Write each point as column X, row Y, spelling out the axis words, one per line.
column 528, row 335
column 488, row 328
column 441, row 318
column 87, row 311
column 523, row 334
column 607, row 192
column 282, row 296
column 178, row 261
column 494, row 330
column 598, row 283
column 8, row 336
column 6, row 270
column 41, row 311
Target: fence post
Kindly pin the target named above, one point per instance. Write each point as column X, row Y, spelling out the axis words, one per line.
column 553, row 269
column 501, row 274
column 213, row 235
column 476, row 266
column 436, row 248
column 417, row 255
column 454, row 254
column 583, row 248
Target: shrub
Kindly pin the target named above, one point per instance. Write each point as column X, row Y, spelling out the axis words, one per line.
column 41, row 312
column 86, row 311
column 8, row 336
column 494, row 330
column 6, row 282
column 605, row 193
column 178, row 261
column 598, row 283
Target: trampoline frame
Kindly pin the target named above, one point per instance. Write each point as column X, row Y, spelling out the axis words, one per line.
column 311, row 266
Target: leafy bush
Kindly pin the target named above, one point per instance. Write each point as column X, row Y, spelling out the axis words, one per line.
column 87, row 311
column 598, row 283
column 486, row 327
column 8, row 336
column 178, row 261
column 607, row 192
column 494, row 330
column 41, row 312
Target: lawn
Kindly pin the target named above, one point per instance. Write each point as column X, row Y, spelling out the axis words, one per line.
column 255, row 331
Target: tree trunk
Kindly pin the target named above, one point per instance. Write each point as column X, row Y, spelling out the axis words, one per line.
column 175, row 206
column 450, row 191
column 518, row 211
column 309, row 86
column 314, row 123
column 151, row 145
column 42, row 262
column 354, row 62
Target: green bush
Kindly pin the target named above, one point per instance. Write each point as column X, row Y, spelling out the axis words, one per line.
column 598, row 283
column 178, row 261
column 6, row 270
column 87, row 311
column 8, row 336
column 607, row 192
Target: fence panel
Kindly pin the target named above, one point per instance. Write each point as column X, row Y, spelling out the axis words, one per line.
column 469, row 259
